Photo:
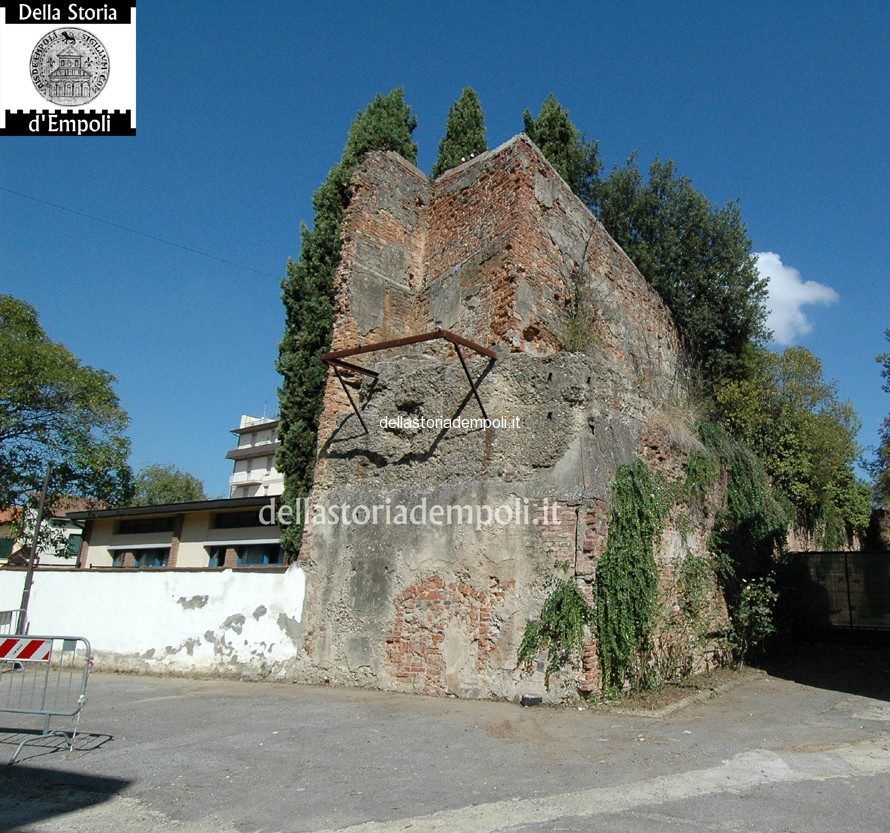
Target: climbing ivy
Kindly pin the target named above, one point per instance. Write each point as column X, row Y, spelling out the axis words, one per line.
column 752, row 527
column 627, row 578
column 702, row 472
column 560, row 630
column 748, row 534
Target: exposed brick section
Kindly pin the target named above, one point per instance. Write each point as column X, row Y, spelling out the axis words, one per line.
column 174, row 541
column 591, row 679
column 495, row 249
column 663, row 453
column 596, row 525
column 414, row 646
column 82, row 557
column 557, row 524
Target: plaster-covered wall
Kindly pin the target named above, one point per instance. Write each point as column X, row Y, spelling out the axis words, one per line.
column 168, row 621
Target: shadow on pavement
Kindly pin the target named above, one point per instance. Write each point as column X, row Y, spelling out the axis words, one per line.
column 38, row 747
column 855, row 669
column 33, row 795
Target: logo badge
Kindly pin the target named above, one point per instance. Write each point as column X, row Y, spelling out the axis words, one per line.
column 69, row 66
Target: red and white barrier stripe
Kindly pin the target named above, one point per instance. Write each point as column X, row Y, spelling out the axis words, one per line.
column 22, row 648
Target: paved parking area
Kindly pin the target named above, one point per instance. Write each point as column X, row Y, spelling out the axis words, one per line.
column 805, row 749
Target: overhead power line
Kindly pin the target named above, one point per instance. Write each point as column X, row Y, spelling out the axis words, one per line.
column 140, row 233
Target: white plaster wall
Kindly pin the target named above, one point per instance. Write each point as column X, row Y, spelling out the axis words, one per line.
column 169, row 621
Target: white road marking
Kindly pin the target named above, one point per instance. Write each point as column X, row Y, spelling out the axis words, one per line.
column 738, row 774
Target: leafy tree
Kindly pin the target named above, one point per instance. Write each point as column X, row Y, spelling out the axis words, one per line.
column 576, row 160
column 696, row 255
column 791, row 417
column 464, row 132
column 882, row 464
column 55, row 410
column 159, row 484
column 308, row 294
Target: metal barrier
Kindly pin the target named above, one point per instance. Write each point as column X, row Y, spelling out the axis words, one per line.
column 9, row 620
column 45, row 676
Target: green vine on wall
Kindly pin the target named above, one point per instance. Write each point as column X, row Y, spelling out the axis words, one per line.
column 748, row 534
column 560, row 631
column 627, row 578
column 752, row 527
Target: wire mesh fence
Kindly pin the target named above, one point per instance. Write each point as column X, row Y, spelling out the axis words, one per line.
column 840, row 590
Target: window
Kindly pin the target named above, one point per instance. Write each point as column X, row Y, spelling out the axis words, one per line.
column 146, row 559
column 72, row 548
column 142, row 559
column 6, row 547
column 139, row 526
column 216, row 556
column 236, row 520
column 259, row 555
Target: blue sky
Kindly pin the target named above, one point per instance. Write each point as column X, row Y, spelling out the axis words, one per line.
column 243, row 107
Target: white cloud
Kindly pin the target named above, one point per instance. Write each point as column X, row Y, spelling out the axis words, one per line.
column 788, row 294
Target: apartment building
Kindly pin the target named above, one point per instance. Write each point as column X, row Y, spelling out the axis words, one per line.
column 254, row 473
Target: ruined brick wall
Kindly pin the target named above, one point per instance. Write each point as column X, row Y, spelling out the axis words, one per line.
column 498, row 251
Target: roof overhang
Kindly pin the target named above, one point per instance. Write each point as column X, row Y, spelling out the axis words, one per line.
column 221, row 505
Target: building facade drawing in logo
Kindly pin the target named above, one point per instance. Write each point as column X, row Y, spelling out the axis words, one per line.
column 69, row 67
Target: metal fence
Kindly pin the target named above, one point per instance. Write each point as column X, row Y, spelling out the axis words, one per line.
column 840, row 590
column 45, row 676
column 9, row 621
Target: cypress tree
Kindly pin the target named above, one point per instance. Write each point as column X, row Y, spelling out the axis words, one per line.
column 576, row 160
column 387, row 123
column 464, row 132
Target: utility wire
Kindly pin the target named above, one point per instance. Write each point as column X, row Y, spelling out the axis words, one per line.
column 140, row 233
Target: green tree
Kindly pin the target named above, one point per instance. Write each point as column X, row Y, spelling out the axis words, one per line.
column 790, row 416
column 55, row 410
column 882, row 464
column 576, row 160
column 308, row 295
column 464, row 132
column 159, row 484
column 696, row 255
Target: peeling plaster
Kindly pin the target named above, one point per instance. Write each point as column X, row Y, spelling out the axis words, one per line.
column 183, row 622
column 234, row 622
column 192, row 603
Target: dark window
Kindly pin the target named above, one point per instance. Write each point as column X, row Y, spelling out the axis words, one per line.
column 72, row 548
column 259, row 555
column 6, row 547
column 235, row 520
column 217, row 556
column 152, row 558
column 139, row 526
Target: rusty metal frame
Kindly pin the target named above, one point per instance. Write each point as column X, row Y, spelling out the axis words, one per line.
column 336, row 360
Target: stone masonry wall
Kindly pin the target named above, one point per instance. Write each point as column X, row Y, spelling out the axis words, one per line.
column 498, row 251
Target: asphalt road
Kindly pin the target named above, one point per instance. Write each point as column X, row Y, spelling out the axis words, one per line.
column 805, row 748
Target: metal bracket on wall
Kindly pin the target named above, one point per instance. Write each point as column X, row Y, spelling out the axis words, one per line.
column 336, row 360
